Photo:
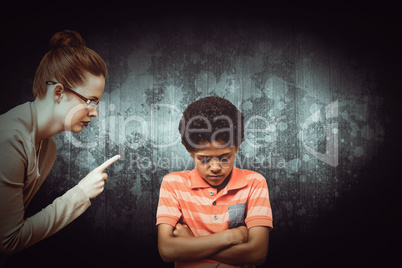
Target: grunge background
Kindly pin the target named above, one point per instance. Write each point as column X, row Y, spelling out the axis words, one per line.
column 319, row 90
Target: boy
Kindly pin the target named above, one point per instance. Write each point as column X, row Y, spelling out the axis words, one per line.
column 215, row 215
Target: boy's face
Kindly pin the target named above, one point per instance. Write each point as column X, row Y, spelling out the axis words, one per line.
column 213, row 163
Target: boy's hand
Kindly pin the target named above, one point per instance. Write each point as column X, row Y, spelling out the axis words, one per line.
column 239, row 235
column 182, row 230
column 93, row 184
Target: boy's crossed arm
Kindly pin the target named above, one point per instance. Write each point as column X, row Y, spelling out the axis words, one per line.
column 254, row 251
column 186, row 247
column 233, row 246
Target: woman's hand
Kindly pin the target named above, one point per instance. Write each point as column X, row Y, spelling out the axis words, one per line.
column 93, row 184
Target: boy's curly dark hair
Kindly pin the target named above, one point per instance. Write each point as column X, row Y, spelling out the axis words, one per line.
column 211, row 119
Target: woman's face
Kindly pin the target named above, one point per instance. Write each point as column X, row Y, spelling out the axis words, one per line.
column 78, row 113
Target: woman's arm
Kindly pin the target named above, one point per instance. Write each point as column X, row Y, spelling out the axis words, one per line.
column 16, row 232
column 190, row 248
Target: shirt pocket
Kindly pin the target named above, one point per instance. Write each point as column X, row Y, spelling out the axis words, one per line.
column 237, row 214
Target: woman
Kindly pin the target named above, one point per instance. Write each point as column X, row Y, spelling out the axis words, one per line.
column 68, row 85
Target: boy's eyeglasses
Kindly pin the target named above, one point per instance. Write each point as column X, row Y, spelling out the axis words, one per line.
column 91, row 103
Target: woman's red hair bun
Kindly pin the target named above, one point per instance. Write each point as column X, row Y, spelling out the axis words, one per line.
column 66, row 38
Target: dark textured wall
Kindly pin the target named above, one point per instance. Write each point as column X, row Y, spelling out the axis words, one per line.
column 319, row 97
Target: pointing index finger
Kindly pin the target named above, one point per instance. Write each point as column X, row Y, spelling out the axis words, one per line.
column 108, row 162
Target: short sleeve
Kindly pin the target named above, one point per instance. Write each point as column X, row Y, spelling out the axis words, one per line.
column 259, row 211
column 169, row 210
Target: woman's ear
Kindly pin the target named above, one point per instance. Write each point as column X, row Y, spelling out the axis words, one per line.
column 58, row 93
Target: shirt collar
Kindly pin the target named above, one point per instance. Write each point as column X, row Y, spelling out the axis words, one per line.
column 238, row 180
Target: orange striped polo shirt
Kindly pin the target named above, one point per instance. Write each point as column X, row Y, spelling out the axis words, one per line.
column 186, row 197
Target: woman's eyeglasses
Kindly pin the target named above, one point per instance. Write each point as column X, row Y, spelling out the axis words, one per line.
column 91, row 103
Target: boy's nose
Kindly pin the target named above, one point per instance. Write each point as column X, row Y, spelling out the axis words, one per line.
column 215, row 165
